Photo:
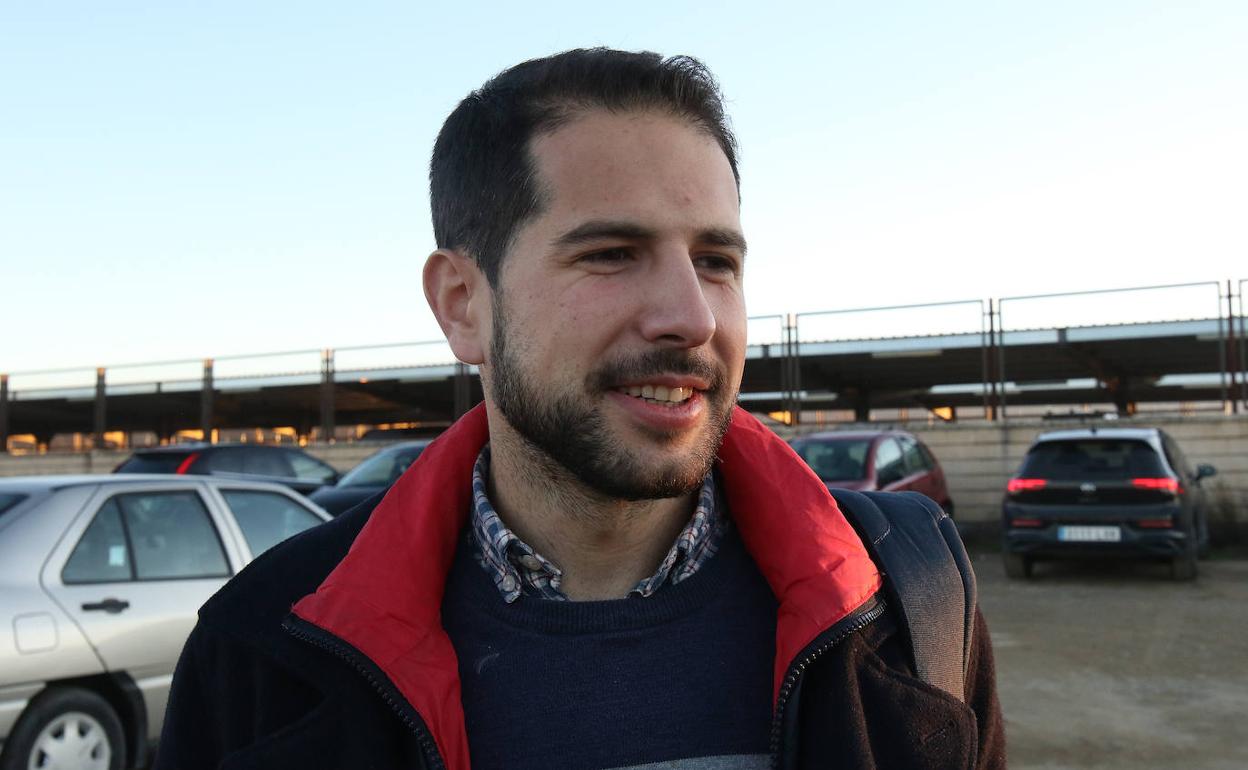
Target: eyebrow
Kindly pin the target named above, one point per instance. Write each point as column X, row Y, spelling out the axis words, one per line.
column 597, row 230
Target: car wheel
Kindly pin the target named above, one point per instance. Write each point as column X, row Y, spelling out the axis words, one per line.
column 1017, row 566
column 64, row 728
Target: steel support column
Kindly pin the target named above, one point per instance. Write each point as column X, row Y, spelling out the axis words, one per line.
column 327, row 395
column 1243, row 346
column 1223, row 343
column 100, row 422
column 989, row 349
column 862, row 405
column 4, row 413
column 205, row 402
column 1232, row 349
column 791, row 371
column 1000, row 400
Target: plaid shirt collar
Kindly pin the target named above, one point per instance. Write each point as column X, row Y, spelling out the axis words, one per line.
column 519, row 570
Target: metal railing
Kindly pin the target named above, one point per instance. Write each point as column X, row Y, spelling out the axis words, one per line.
column 1000, row 345
column 795, row 398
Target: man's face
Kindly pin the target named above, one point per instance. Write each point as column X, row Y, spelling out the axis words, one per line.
column 618, row 326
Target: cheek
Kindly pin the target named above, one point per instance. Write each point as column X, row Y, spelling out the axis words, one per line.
column 591, row 309
column 559, row 333
column 731, row 324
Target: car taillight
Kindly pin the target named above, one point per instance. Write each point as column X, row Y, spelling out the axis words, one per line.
column 1015, row 486
column 1026, row 523
column 1161, row 485
column 1155, row 523
column 185, row 465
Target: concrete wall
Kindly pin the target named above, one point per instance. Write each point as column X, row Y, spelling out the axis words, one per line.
column 978, row 458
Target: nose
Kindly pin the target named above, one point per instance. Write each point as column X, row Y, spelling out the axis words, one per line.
column 676, row 312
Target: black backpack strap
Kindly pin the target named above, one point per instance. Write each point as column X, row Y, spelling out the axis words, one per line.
column 927, row 575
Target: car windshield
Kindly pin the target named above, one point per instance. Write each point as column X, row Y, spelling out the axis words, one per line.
column 382, row 469
column 1088, row 459
column 9, row 500
column 835, row 459
column 153, row 462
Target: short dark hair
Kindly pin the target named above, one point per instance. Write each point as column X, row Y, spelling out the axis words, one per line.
column 482, row 184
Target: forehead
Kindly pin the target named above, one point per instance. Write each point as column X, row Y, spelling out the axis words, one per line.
column 647, row 165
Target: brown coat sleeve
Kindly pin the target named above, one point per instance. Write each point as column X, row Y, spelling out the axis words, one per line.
column 981, row 696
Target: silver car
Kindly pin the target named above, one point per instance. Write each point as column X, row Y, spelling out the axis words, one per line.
column 100, row 581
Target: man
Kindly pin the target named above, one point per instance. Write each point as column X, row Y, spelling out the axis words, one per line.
column 607, row 565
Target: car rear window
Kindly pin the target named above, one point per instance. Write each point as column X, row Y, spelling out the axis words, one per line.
column 153, row 462
column 9, row 500
column 835, row 459
column 1092, row 459
column 267, row 518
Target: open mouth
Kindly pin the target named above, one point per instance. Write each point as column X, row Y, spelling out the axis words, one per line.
column 658, row 394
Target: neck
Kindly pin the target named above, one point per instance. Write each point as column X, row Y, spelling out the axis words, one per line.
column 603, row 545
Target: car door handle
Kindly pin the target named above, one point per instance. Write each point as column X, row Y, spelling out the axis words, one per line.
column 111, row 606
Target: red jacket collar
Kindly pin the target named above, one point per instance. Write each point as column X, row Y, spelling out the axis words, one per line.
column 385, row 597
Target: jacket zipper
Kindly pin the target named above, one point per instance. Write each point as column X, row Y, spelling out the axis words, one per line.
column 825, row 642
column 323, row 639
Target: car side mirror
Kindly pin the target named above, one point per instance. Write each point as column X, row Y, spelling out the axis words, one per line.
column 1204, row 471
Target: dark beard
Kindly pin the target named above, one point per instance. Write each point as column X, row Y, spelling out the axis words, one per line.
column 567, row 429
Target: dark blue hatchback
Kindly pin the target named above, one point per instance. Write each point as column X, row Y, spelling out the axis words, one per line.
column 1105, row 493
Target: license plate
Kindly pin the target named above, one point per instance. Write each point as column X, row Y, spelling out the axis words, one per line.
column 1089, row 534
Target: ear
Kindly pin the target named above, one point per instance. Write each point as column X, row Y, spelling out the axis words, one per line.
column 459, row 296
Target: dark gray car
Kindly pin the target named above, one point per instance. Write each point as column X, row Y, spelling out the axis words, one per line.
column 1106, row 493
column 286, row 465
column 374, row 474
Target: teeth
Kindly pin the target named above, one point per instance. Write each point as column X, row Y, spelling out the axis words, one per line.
column 660, row 393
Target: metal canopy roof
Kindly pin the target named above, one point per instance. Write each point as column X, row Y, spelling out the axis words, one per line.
column 1177, row 361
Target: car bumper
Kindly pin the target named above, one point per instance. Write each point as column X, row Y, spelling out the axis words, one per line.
column 1133, row 540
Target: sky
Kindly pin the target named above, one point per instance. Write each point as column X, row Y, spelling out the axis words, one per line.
column 181, row 180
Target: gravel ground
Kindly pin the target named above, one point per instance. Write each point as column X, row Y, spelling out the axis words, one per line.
column 1116, row 666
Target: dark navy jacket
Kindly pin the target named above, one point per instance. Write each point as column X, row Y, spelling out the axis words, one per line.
column 328, row 651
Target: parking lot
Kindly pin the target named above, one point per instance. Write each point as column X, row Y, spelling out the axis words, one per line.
column 1117, row 666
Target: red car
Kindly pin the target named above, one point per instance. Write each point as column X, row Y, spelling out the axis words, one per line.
column 890, row 461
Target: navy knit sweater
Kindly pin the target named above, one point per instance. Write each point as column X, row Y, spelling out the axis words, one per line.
column 681, row 679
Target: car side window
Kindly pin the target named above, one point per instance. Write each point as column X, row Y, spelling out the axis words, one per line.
column 267, row 518
column 172, row 536
column 267, row 462
column 148, row 536
column 913, row 457
column 310, row 468
column 102, row 554
column 1178, row 462
column 927, row 455
column 888, row 462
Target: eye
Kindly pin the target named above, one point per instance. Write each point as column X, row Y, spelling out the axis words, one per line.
column 608, row 255
column 607, row 258
column 717, row 264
